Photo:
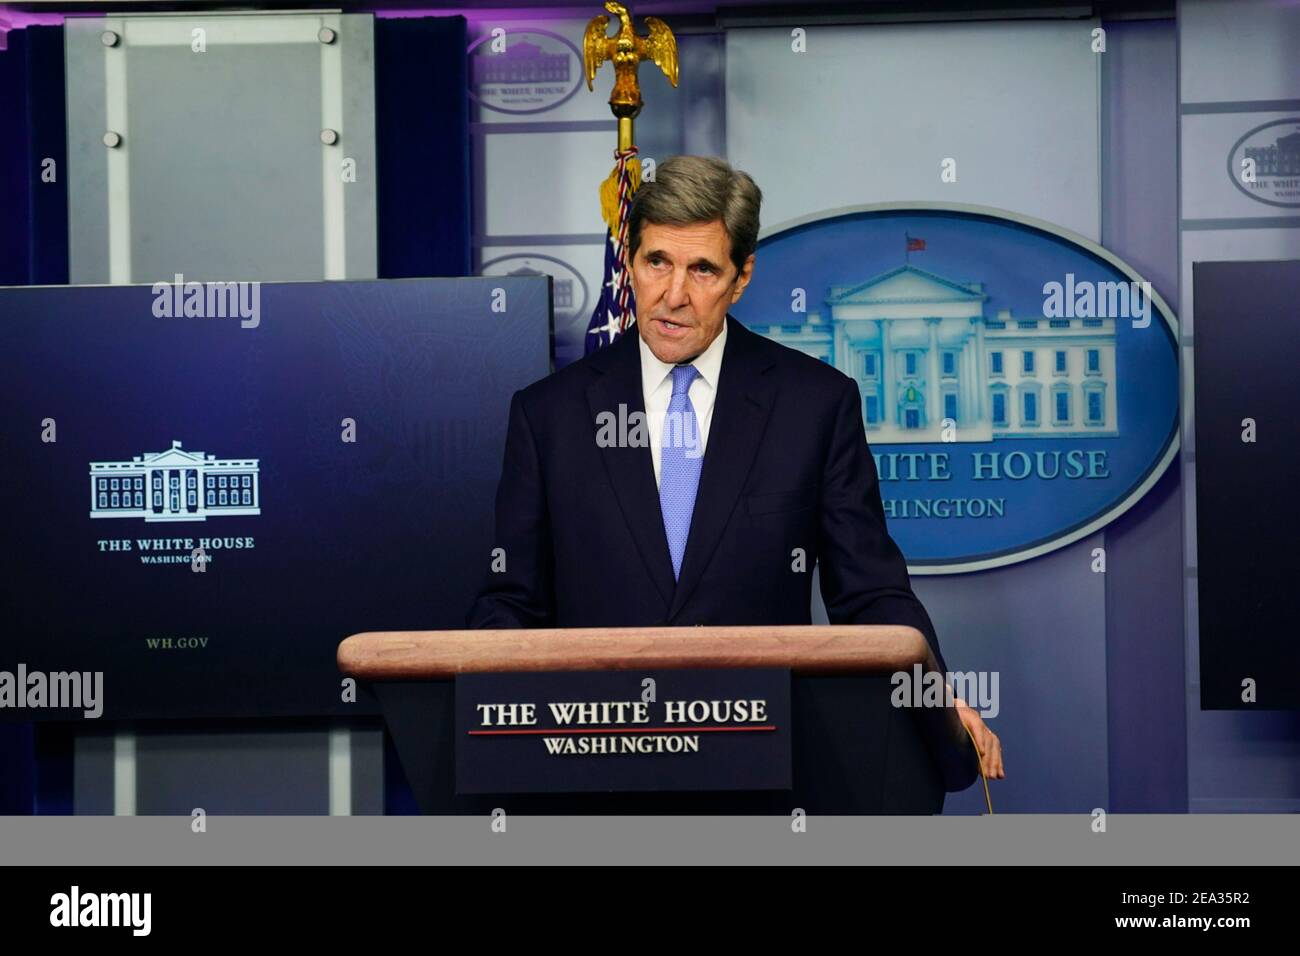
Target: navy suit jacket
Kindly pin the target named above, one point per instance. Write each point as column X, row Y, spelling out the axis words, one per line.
column 786, row 466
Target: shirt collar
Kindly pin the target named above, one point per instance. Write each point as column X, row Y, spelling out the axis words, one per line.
column 708, row 362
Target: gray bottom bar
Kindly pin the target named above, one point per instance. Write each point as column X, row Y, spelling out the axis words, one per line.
column 1196, row 840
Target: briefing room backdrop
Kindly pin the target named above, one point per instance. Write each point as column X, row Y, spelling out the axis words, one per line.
column 1099, row 706
column 864, row 117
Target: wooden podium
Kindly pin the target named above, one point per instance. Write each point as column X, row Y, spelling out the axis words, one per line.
column 853, row 751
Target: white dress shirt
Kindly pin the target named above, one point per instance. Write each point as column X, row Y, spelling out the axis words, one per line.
column 657, row 388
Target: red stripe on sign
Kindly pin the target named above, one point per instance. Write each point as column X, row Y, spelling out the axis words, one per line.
column 621, row 730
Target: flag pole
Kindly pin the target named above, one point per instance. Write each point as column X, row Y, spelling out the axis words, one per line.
column 626, row 49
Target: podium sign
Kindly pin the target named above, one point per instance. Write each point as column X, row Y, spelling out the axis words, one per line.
column 623, row 731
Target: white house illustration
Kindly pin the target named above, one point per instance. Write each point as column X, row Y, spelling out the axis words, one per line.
column 922, row 350
column 174, row 485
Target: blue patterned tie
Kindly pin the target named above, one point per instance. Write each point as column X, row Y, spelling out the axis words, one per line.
column 679, row 464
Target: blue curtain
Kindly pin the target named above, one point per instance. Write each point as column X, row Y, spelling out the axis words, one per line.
column 33, row 211
column 33, row 251
column 422, row 146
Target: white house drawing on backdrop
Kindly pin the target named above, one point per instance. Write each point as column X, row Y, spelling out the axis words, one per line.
column 922, row 350
column 174, row 485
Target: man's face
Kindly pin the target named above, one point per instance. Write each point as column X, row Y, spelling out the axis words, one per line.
column 684, row 282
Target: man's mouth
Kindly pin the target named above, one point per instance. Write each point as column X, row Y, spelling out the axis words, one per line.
column 671, row 328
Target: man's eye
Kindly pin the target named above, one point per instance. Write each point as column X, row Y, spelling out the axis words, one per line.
column 707, row 270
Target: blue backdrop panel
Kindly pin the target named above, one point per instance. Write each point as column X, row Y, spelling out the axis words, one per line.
column 389, row 531
column 1246, row 341
column 33, row 249
column 422, row 131
column 33, row 159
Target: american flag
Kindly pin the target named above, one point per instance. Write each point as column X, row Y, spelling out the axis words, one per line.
column 615, row 309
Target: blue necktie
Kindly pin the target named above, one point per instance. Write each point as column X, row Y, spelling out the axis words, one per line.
column 681, row 458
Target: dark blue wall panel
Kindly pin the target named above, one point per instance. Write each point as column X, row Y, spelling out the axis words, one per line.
column 33, row 211
column 422, row 145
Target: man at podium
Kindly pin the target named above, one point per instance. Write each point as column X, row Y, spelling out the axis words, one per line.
column 694, row 472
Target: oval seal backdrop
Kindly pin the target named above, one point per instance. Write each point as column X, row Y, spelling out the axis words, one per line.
column 1019, row 383
column 1274, row 150
column 535, row 71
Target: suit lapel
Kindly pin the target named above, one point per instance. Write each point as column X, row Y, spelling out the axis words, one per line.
column 630, row 469
column 740, row 413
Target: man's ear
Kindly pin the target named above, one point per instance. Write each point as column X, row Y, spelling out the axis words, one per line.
column 743, row 278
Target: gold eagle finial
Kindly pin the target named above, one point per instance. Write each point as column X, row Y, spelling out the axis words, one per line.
column 627, row 50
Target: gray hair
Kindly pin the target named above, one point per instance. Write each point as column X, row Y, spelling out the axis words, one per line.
column 692, row 189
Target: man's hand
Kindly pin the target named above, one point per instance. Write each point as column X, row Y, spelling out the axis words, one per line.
column 986, row 741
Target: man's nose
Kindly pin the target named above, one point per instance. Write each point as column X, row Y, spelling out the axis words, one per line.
column 676, row 295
